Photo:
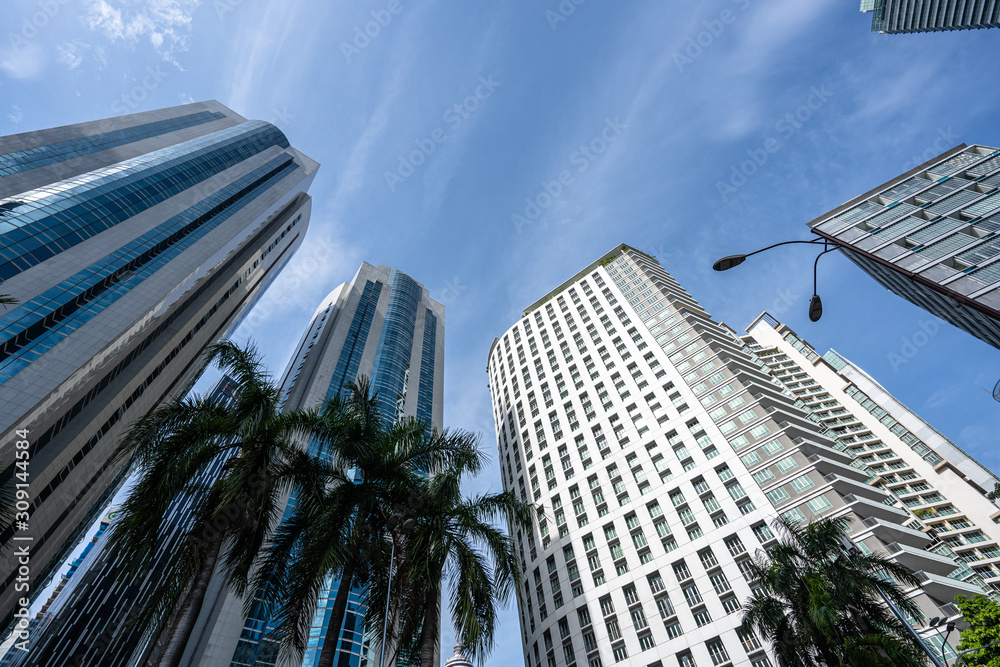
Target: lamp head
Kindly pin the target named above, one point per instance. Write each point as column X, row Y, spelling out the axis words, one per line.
column 729, row 262
column 815, row 308
column 934, row 622
column 951, row 626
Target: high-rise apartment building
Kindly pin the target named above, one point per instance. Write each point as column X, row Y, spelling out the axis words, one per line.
column 898, row 16
column 129, row 244
column 89, row 622
column 659, row 451
column 383, row 325
column 930, row 236
column 940, row 485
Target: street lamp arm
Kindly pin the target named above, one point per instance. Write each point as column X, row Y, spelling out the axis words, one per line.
column 811, row 241
column 730, row 261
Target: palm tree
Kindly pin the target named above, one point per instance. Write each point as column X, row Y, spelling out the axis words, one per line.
column 344, row 527
column 821, row 605
column 7, row 300
column 234, row 512
column 454, row 536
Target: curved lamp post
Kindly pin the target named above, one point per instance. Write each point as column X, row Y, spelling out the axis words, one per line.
column 815, row 303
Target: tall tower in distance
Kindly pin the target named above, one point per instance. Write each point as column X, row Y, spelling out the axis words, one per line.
column 129, row 244
column 943, row 487
column 383, row 325
column 900, row 16
column 634, row 420
column 930, row 236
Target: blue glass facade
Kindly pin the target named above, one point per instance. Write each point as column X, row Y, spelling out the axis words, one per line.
column 33, row 158
column 128, row 245
column 395, row 345
column 357, row 335
column 41, row 223
column 425, row 397
column 31, row 330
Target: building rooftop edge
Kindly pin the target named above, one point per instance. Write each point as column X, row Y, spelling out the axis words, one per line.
column 600, row 261
column 829, row 214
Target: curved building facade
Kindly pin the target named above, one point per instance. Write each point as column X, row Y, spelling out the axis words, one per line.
column 129, row 245
column 633, row 421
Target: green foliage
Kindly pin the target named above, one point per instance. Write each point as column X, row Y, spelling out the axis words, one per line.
column 995, row 493
column 820, row 605
column 983, row 616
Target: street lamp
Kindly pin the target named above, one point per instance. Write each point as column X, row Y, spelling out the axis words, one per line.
column 815, row 303
column 937, row 622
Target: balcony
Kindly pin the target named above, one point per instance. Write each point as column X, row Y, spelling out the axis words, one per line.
column 826, row 465
column 866, row 508
column 945, row 589
column 888, row 532
column 846, row 486
column 918, row 559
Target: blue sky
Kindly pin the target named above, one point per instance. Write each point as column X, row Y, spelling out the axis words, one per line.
column 620, row 122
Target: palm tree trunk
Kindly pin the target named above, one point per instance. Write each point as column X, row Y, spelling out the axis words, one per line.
column 336, row 617
column 430, row 630
column 184, row 625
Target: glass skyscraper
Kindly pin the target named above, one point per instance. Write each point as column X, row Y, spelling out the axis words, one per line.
column 899, row 16
column 660, row 450
column 88, row 622
column 129, row 244
column 931, row 236
column 383, row 325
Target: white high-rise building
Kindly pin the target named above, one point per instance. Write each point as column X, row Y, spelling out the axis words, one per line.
column 633, row 421
column 941, row 485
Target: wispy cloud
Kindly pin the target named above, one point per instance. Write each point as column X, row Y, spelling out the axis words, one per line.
column 16, row 115
column 22, row 62
column 165, row 23
column 70, row 54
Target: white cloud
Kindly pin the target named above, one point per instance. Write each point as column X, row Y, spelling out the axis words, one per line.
column 166, row 22
column 15, row 115
column 22, row 62
column 70, row 54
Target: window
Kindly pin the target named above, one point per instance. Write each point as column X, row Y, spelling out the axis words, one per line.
column 819, row 504
column 717, row 652
column 702, row 617
column 778, row 495
column 646, row 642
column 735, row 545
column 773, row 447
column 674, row 631
column 655, row 582
column 614, row 631
column 802, row 483
column 762, row 476
column 748, row 639
column 607, row 606
column 619, row 652
column 763, row 533
column 786, row 464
